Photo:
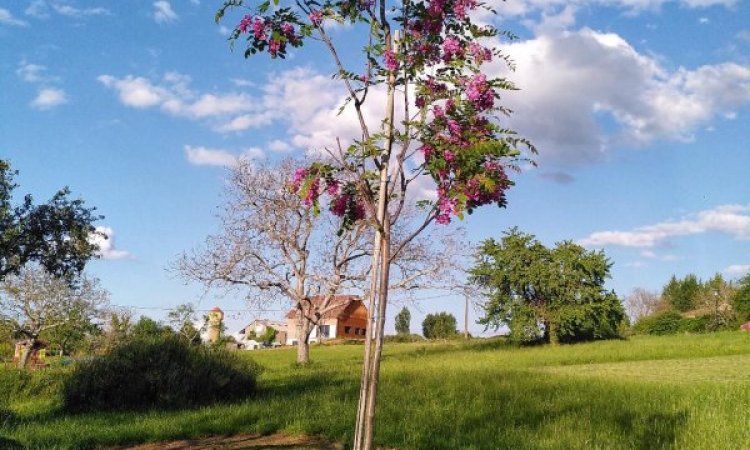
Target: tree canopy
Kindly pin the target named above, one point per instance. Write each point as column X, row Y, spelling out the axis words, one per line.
column 402, row 321
column 439, row 326
column 546, row 294
column 56, row 234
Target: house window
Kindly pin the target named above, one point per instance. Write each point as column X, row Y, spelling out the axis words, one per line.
column 325, row 331
column 361, row 331
column 348, row 330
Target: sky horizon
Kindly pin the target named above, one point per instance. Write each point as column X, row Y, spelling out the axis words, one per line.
column 639, row 109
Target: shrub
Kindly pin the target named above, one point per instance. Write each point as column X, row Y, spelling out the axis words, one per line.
column 163, row 372
column 439, row 326
column 667, row 322
column 20, row 384
column 697, row 324
column 400, row 338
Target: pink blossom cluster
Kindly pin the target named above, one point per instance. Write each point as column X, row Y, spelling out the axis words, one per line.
column 262, row 28
column 452, row 49
column 391, row 63
column 345, row 205
column 480, row 93
column 316, row 17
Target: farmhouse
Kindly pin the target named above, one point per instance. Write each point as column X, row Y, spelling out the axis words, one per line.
column 346, row 318
column 251, row 334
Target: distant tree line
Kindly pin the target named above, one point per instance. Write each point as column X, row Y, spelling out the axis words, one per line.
column 689, row 304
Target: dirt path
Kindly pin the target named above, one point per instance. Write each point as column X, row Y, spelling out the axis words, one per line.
column 241, row 442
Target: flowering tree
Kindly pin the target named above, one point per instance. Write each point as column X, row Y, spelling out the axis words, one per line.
column 429, row 54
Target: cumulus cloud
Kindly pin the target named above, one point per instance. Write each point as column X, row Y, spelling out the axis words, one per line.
column 33, row 73
column 107, row 249
column 6, row 18
column 573, row 81
column 173, row 95
column 738, row 269
column 163, row 12
column 278, row 145
column 631, row 7
column 42, row 9
column 203, row 156
column 48, row 98
column 732, row 220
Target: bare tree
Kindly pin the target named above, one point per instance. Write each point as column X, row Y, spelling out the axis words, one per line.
column 276, row 247
column 35, row 301
column 642, row 303
column 280, row 250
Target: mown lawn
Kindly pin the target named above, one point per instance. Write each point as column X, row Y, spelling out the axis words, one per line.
column 682, row 392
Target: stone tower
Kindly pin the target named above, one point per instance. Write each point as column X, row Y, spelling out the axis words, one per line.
column 215, row 319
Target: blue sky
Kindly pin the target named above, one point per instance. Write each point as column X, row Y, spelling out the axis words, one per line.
column 639, row 109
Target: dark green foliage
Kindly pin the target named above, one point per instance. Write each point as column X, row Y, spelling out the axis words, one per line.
column 403, row 318
column 147, row 327
column 439, row 326
column 56, row 234
column 668, row 322
column 741, row 300
column 590, row 321
column 553, row 295
column 697, row 324
column 682, row 294
column 164, row 372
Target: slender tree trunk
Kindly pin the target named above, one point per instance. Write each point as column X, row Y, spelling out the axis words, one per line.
column 385, row 253
column 365, row 381
column 466, row 317
column 371, row 374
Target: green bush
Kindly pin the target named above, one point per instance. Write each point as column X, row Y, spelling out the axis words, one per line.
column 667, row 322
column 696, row 324
column 20, row 384
column 441, row 325
column 164, row 372
column 401, row 338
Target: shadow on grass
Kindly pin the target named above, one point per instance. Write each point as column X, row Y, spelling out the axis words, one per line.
column 523, row 410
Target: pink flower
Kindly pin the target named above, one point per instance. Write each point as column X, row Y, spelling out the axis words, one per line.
column 332, row 187
column 245, row 23
column 391, row 63
column 451, row 48
column 299, row 175
column 259, row 29
column 316, row 17
column 449, row 156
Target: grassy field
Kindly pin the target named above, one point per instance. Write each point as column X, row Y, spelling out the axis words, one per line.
column 682, row 392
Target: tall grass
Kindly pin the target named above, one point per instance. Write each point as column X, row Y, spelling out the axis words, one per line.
column 682, row 392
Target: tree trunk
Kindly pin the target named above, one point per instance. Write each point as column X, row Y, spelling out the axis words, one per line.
column 366, row 363
column 369, row 426
column 303, row 339
column 26, row 353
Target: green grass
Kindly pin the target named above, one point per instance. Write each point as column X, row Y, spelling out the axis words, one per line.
column 682, row 392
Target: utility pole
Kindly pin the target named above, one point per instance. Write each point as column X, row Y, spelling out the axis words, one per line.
column 466, row 315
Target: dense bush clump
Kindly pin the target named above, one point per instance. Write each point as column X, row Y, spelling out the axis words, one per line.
column 161, row 372
column 667, row 322
column 19, row 384
column 401, row 338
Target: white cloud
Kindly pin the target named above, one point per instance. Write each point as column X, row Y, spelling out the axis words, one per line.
column 203, row 156
column 570, row 81
column 107, row 249
column 738, row 269
column 71, row 11
column 632, row 7
column 135, row 91
column 278, row 145
column 48, row 98
column 6, row 18
column 33, row 73
column 703, row 20
column 41, row 9
column 163, row 12
column 733, row 220
column 174, row 96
